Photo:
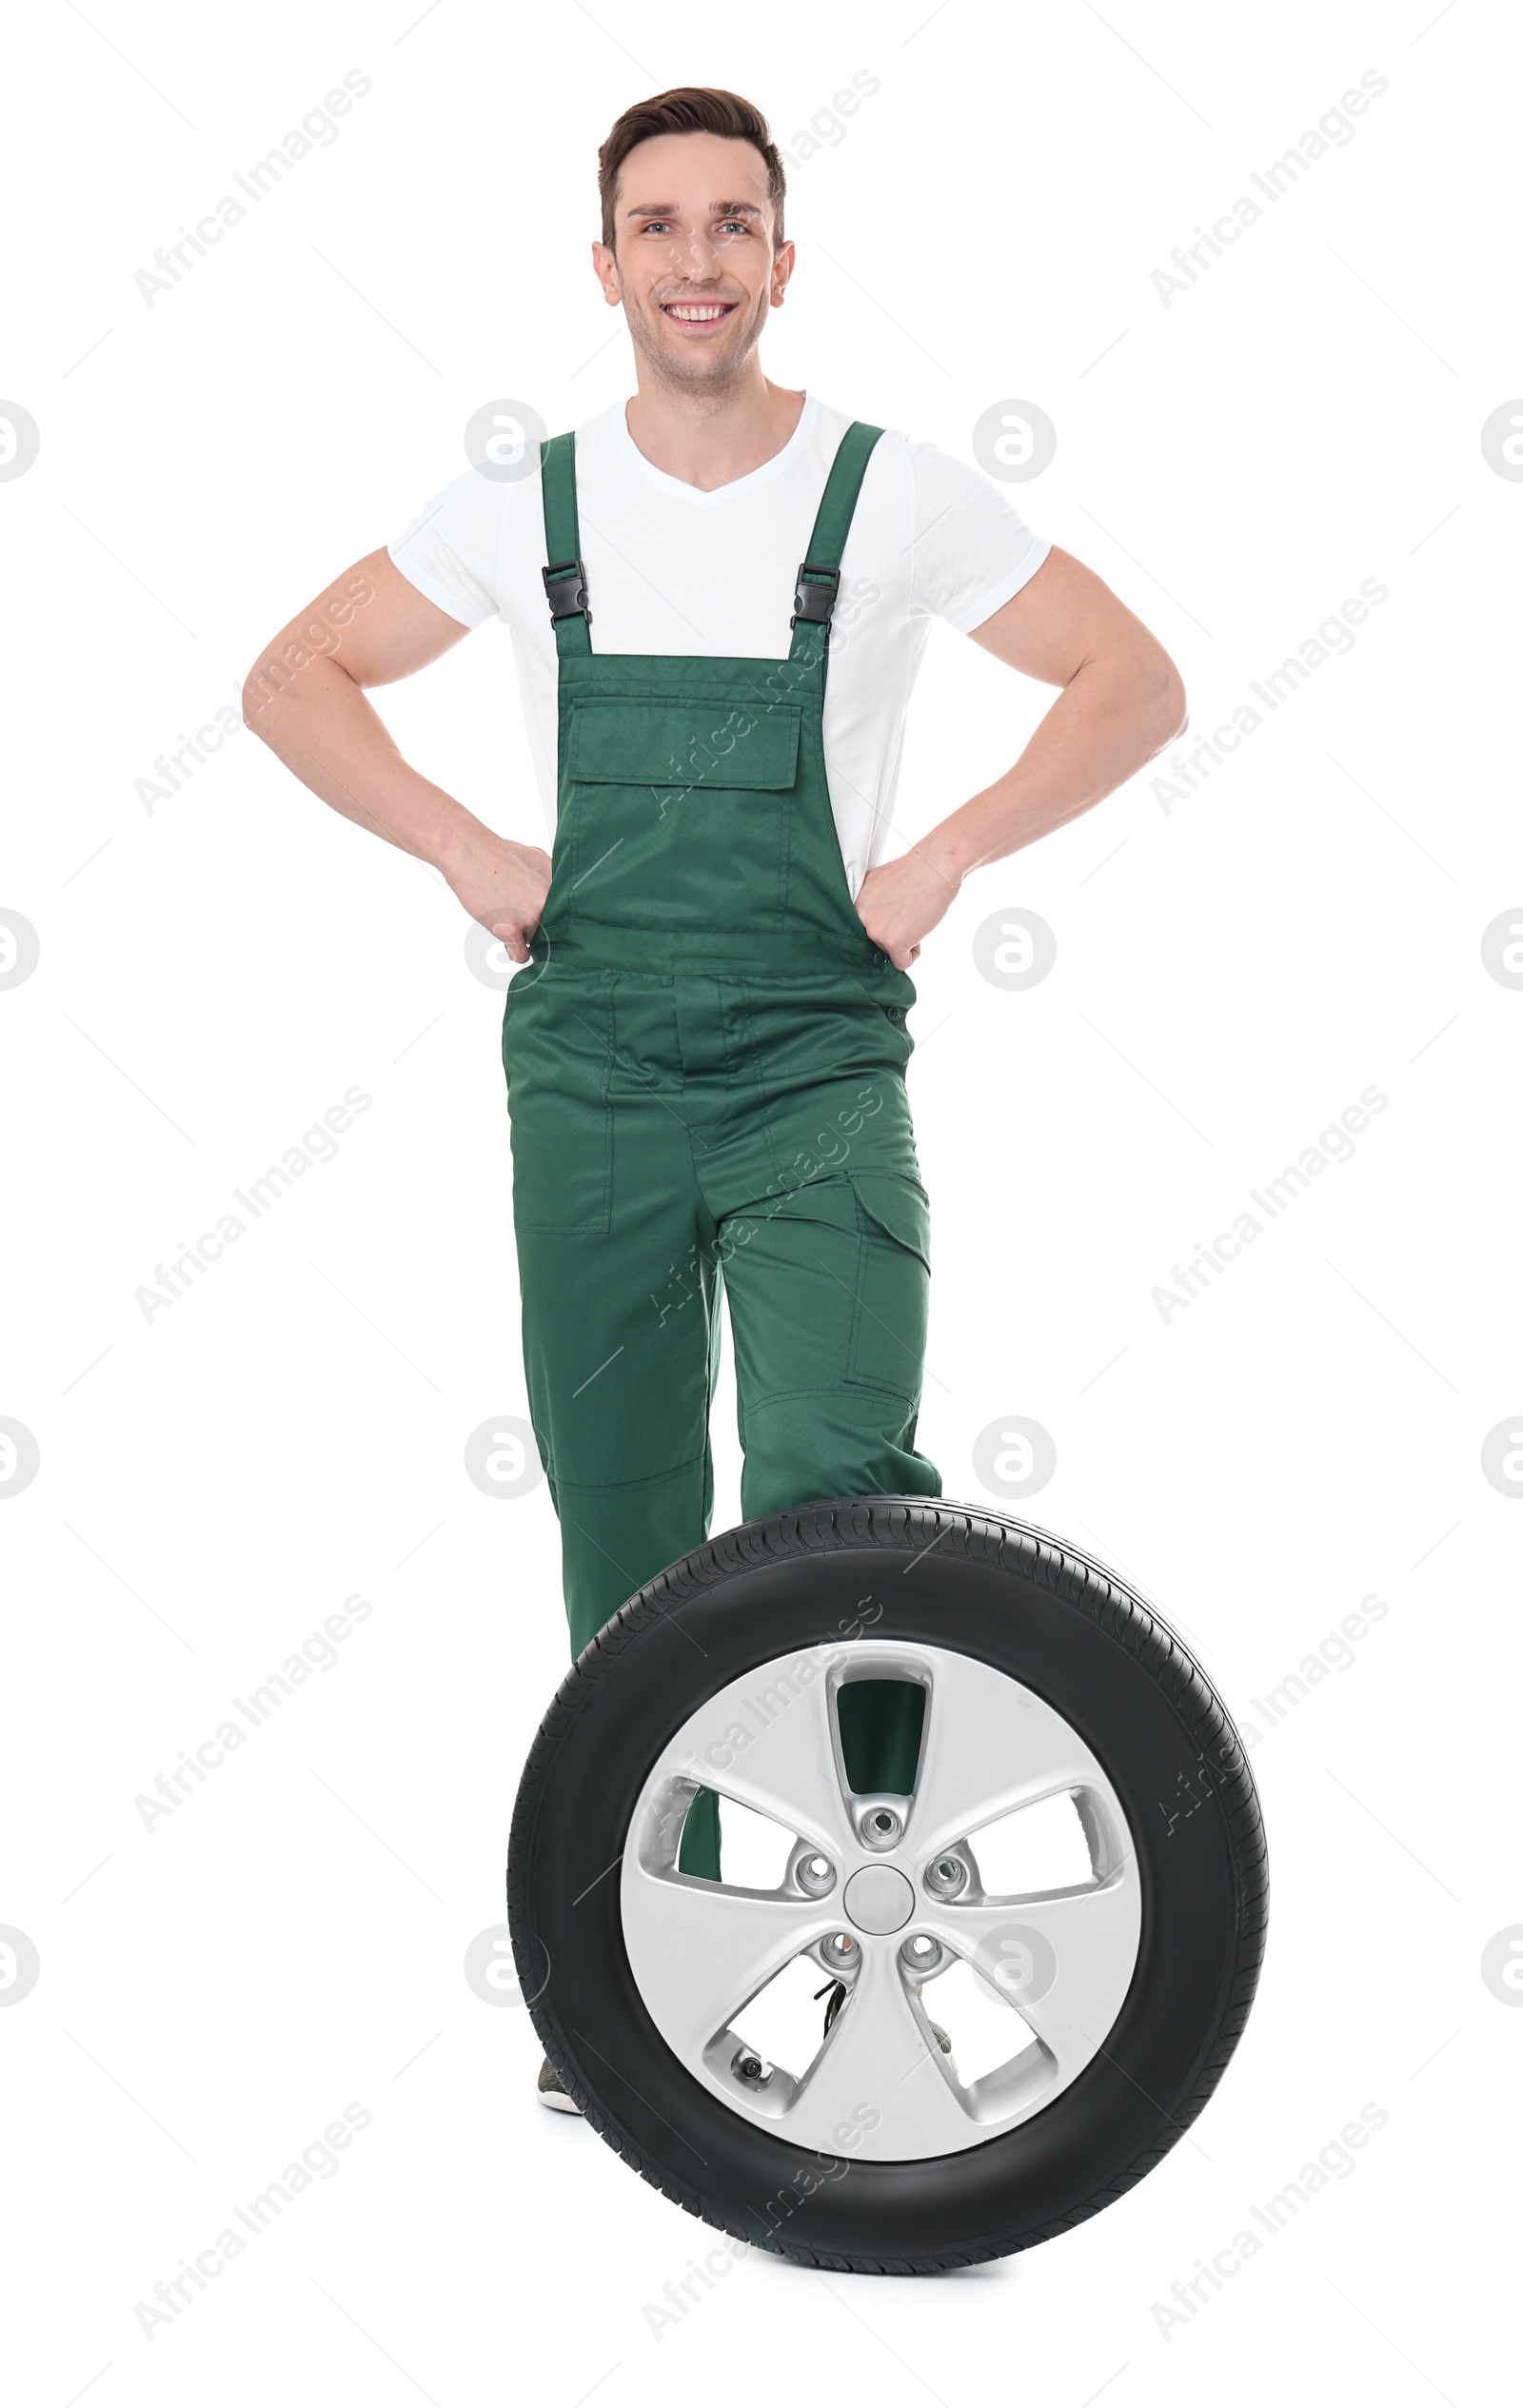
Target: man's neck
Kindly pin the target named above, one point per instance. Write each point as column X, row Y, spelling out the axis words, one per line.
column 709, row 439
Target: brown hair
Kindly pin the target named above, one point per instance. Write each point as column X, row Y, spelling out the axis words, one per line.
column 690, row 109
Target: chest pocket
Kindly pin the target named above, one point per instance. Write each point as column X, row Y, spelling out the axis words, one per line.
column 679, row 811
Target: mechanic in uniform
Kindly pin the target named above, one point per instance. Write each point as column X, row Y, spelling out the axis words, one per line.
column 719, row 595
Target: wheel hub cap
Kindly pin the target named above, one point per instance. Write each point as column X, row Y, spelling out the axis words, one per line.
column 878, row 1898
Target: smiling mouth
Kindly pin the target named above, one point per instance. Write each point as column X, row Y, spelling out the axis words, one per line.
column 697, row 313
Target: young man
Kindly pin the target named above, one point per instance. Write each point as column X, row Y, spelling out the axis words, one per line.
column 706, row 1057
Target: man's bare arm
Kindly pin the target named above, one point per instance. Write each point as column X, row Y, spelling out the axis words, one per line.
column 306, row 697
column 1122, row 701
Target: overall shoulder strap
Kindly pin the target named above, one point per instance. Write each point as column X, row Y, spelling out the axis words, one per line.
column 838, row 500
column 565, row 580
column 820, row 575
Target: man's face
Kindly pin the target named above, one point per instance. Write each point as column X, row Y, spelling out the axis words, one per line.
column 694, row 265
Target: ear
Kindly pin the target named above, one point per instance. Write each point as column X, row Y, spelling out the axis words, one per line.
column 606, row 267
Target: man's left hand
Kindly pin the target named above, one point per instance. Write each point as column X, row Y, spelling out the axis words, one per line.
column 902, row 901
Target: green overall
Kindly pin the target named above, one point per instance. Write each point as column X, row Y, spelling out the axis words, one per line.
column 705, row 1063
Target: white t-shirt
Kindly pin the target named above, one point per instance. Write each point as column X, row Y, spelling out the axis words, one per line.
column 671, row 569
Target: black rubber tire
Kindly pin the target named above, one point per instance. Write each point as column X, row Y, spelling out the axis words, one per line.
column 1072, row 1631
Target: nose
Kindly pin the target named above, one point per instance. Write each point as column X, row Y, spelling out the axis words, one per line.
column 695, row 257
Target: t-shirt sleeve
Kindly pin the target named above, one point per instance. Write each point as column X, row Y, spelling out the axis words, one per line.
column 452, row 550
column 972, row 550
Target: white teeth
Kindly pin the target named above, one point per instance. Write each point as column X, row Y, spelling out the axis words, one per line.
column 677, row 309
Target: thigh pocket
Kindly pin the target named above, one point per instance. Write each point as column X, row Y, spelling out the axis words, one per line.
column 892, row 1305
column 558, row 1056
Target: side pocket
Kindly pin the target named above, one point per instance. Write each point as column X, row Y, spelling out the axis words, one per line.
column 893, row 1302
column 558, row 1056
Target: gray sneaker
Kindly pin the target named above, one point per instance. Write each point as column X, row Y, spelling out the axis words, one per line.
column 553, row 2093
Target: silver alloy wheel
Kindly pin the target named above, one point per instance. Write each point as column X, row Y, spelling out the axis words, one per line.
column 701, row 1950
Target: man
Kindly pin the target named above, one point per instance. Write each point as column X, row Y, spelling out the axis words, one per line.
column 719, row 595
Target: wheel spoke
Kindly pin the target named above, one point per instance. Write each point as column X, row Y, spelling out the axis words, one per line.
column 880, row 2061
column 990, row 1746
column 1064, row 1960
column 699, row 1950
column 768, row 1742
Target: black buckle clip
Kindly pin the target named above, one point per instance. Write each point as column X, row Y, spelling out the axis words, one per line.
column 566, row 584
column 814, row 603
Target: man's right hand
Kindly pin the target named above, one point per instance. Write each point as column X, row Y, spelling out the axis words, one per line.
column 502, row 884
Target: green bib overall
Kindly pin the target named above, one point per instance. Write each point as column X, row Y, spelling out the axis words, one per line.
column 706, row 1064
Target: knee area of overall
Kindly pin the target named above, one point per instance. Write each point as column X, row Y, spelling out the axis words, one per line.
column 805, row 1450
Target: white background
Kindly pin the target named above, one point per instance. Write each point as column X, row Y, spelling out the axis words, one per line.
column 1230, row 974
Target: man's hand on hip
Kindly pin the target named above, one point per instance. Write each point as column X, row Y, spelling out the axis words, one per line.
column 900, row 901
column 502, row 884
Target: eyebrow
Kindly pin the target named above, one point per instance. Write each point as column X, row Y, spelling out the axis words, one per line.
column 671, row 209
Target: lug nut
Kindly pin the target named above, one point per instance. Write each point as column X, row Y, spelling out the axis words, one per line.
column 880, row 1827
column 921, row 1953
column 946, row 1876
column 814, row 1875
